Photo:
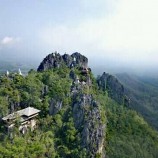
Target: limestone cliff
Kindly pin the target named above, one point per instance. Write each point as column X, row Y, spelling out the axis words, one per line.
column 114, row 88
column 87, row 118
column 55, row 60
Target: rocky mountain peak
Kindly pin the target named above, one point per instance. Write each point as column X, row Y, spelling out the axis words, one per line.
column 55, row 60
column 111, row 84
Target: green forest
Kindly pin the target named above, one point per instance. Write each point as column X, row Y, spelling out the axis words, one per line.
column 127, row 135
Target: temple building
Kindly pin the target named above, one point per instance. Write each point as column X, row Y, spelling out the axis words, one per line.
column 26, row 118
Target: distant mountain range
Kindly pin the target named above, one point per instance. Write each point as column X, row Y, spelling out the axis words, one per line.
column 143, row 93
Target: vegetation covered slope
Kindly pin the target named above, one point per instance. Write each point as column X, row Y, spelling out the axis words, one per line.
column 56, row 135
column 75, row 128
column 128, row 135
column 143, row 92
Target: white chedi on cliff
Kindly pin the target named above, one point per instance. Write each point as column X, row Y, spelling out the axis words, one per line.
column 7, row 73
column 19, row 72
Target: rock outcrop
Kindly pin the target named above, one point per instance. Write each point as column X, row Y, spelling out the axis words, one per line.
column 55, row 106
column 87, row 117
column 55, row 60
column 114, row 88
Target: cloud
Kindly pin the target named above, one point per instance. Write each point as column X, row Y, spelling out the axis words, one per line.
column 134, row 26
column 70, row 38
column 6, row 40
column 131, row 32
column 99, row 5
column 9, row 40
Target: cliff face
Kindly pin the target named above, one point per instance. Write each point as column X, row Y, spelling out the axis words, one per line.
column 87, row 119
column 55, row 106
column 55, row 60
column 114, row 88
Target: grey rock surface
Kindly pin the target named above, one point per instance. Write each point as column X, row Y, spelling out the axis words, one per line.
column 55, row 60
column 87, row 117
column 112, row 85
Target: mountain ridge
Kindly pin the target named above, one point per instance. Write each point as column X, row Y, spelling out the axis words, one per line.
column 81, row 116
column 143, row 93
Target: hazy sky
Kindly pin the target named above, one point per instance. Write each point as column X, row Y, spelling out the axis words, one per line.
column 120, row 32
